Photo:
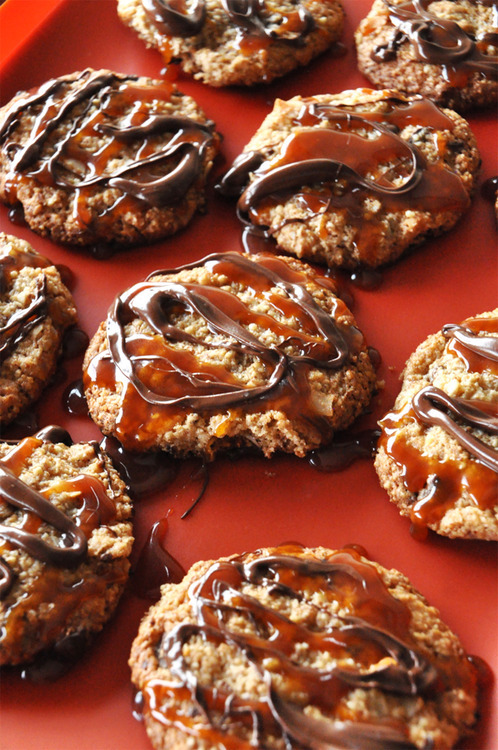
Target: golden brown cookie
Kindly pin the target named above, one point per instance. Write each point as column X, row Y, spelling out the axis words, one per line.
column 65, row 539
column 35, row 310
column 233, row 350
column 99, row 157
column 228, row 42
column 438, row 453
column 354, row 178
column 443, row 49
column 291, row 647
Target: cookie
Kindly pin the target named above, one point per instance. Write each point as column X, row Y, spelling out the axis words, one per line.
column 354, row 179
column 35, row 311
column 291, row 647
column 102, row 158
column 438, row 452
column 225, row 42
column 65, row 538
column 445, row 50
column 233, row 350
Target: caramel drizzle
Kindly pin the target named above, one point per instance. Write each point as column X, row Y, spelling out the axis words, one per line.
column 172, row 18
column 376, row 631
column 155, row 176
column 440, row 484
column 189, row 382
column 333, row 162
column 94, row 509
column 437, row 41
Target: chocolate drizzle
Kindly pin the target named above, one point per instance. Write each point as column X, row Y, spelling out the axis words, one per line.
column 109, row 107
column 439, row 484
column 376, row 631
column 189, row 382
column 437, row 41
column 335, row 158
column 173, row 19
column 71, row 550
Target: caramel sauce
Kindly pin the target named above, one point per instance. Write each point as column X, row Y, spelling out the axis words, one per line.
column 335, row 159
column 439, row 42
column 159, row 379
column 375, row 632
column 37, row 513
column 121, row 113
column 438, row 485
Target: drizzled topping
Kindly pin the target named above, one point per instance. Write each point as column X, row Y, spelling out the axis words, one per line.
column 250, row 16
column 37, row 512
column 160, row 377
column 439, row 41
column 22, row 321
column 374, row 634
column 164, row 152
column 440, row 484
column 335, row 158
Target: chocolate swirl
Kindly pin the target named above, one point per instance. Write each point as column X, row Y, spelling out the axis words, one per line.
column 335, row 158
column 155, row 175
column 378, row 626
column 436, row 41
column 248, row 15
column 431, row 406
column 72, row 548
column 24, row 320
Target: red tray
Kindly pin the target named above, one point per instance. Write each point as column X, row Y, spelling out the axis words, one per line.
column 250, row 502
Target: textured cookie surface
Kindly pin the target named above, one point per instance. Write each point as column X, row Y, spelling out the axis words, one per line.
column 234, row 350
column 438, row 453
column 97, row 157
column 65, row 538
column 354, row 178
column 446, row 50
column 223, row 42
column 35, row 310
column 291, row 647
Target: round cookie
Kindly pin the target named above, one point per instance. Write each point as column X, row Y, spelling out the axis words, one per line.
column 65, row 538
column 35, row 311
column 291, row 647
column 354, row 178
column 233, row 350
column 444, row 50
column 438, row 451
column 97, row 157
column 225, row 42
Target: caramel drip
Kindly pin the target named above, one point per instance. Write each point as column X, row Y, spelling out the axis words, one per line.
column 440, row 484
column 439, row 42
column 376, row 631
column 95, row 508
column 119, row 111
column 159, row 378
column 174, row 19
column 335, row 159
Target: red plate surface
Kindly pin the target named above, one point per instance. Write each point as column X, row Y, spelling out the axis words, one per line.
column 250, row 502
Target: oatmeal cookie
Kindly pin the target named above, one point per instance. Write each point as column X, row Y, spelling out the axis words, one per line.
column 102, row 158
column 35, row 310
column 65, row 538
column 354, row 178
column 438, row 452
column 233, row 350
column 291, row 647
column 225, row 42
column 446, row 50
